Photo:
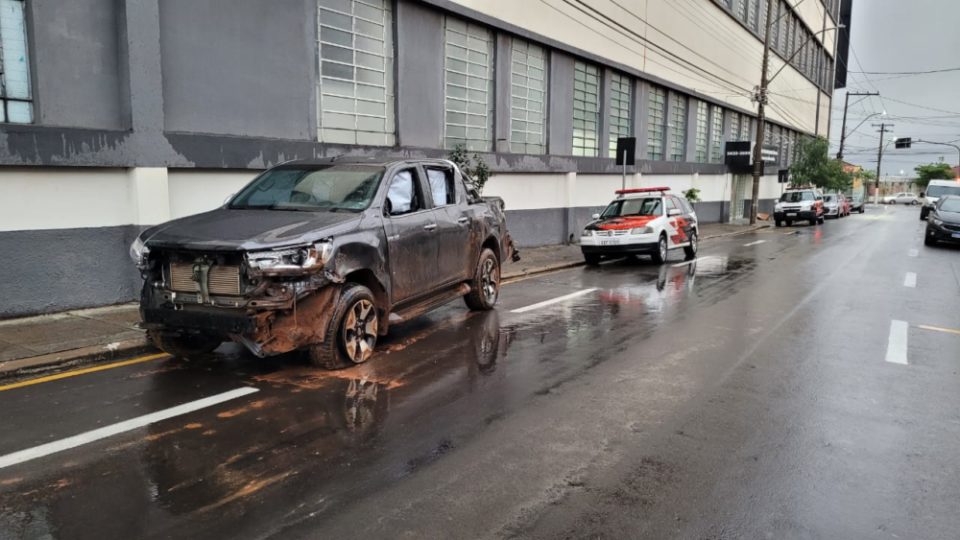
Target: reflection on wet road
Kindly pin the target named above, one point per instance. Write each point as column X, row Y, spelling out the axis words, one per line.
column 311, row 447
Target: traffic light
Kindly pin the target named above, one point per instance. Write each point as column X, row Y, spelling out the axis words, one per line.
column 903, row 142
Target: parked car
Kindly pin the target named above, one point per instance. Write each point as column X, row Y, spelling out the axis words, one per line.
column 943, row 223
column 902, row 198
column 805, row 204
column 834, row 205
column 643, row 221
column 322, row 255
column 856, row 203
column 935, row 190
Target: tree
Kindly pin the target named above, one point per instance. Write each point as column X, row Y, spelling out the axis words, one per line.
column 477, row 175
column 933, row 171
column 814, row 166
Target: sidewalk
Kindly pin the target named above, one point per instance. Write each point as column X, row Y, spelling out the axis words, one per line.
column 51, row 342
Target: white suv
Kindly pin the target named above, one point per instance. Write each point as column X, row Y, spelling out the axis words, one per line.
column 643, row 221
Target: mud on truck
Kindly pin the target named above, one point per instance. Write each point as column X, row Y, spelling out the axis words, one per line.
column 322, row 255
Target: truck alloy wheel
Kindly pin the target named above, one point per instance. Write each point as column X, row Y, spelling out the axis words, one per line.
column 359, row 331
column 485, row 285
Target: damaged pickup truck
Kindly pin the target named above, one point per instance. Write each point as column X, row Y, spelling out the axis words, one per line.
column 324, row 256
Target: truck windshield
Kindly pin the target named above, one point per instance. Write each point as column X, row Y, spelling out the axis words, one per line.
column 940, row 191
column 315, row 188
column 634, row 207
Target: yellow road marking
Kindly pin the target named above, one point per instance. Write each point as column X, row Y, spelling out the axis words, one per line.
column 84, row 371
column 938, row 329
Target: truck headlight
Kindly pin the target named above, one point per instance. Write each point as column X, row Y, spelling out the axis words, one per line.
column 777, row 208
column 139, row 252
column 936, row 221
column 290, row 260
column 642, row 230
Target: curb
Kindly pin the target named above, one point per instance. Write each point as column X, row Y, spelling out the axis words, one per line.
column 93, row 354
column 541, row 270
column 737, row 233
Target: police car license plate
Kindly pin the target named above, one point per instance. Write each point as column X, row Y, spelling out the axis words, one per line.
column 611, row 242
column 956, row 235
column 791, row 214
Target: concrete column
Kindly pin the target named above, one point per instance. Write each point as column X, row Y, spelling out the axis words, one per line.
column 149, row 195
column 640, row 108
column 420, row 89
column 560, row 109
column 502, row 72
column 140, row 65
column 668, row 127
column 604, row 133
column 691, row 142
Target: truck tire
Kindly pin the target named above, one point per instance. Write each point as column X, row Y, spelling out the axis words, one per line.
column 485, row 285
column 351, row 335
column 660, row 256
column 183, row 345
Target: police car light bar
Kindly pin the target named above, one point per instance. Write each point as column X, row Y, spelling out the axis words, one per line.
column 641, row 190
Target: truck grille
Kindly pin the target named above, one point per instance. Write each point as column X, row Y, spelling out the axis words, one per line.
column 222, row 280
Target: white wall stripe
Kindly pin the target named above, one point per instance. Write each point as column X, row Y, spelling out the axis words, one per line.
column 115, row 429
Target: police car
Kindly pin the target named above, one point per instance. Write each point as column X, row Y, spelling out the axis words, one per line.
column 643, row 221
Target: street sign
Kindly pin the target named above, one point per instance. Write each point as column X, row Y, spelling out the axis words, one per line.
column 626, row 150
column 783, row 176
column 903, row 142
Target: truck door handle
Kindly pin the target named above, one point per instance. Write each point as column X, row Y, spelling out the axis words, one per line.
column 430, row 227
column 463, row 220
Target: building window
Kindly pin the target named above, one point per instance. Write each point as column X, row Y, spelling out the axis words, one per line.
column 620, row 99
column 15, row 89
column 735, row 126
column 656, row 120
column 746, row 133
column 356, row 72
column 469, row 86
column 716, row 134
column 742, row 10
column 752, row 14
column 586, row 109
column 678, row 126
column 528, row 88
column 702, row 126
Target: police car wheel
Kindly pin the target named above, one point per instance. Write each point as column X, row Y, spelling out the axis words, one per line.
column 690, row 252
column 661, row 254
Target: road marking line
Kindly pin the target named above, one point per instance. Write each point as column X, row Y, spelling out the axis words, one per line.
column 758, row 242
column 691, row 261
column 939, row 329
column 127, row 425
column 84, row 371
column 897, row 343
column 913, row 253
column 910, row 280
column 554, row 301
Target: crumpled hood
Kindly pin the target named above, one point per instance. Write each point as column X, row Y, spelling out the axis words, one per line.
column 244, row 230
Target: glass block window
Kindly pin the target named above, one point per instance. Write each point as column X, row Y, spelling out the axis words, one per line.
column 620, row 99
column 15, row 88
column 742, row 9
column 752, row 14
column 762, row 18
column 469, row 86
column 735, row 126
column 701, row 136
column 528, row 89
column 656, row 121
column 586, row 109
column 356, row 93
column 716, row 134
column 678, row 127
column 746, row 131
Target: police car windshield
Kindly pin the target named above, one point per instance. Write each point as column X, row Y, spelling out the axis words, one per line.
column 651, row 206
column 797, row 196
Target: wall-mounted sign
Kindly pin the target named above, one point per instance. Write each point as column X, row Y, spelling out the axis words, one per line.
column 738, row 156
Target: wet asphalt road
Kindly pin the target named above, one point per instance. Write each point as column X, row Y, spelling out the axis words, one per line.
column 748, row 395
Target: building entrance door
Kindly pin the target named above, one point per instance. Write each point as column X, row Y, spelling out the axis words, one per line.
column 740, row 198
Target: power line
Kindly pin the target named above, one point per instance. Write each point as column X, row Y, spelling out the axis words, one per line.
column 905, row 72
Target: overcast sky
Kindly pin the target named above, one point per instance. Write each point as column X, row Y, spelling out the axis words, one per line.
column 902, row 36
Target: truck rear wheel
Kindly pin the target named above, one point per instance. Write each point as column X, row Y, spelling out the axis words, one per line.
column 485, row 285
column 351, row 335
column 183, row 344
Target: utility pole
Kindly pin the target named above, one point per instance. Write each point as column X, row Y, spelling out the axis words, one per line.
column 876, row 186
column 846, row 105
column 761, row 120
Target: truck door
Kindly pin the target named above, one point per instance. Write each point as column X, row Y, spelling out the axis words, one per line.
column 411, row 236
column 454, row 250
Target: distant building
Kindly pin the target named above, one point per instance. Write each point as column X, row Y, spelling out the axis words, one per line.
column 119, row 114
